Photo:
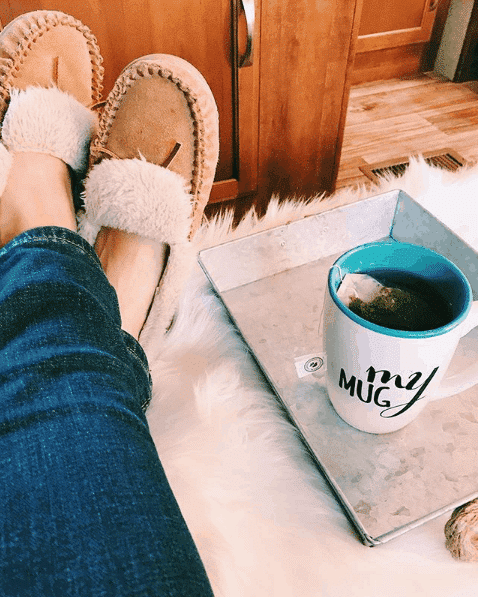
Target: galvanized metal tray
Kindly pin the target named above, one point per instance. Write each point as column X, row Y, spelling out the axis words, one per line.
column 273, row 285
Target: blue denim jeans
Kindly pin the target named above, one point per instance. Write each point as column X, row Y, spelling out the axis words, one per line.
column 85, row 506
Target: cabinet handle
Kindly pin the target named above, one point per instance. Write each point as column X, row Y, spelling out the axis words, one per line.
column 248, row 8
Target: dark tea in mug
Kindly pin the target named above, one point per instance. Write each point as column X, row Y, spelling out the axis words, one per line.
column 406, row 302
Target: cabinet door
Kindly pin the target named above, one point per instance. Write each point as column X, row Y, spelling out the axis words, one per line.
column 394, row 38
column 210, row 34
column 388, row 23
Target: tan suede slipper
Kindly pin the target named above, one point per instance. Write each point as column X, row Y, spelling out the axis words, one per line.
column 161, row 108
column 153, row 165
column 49, row 48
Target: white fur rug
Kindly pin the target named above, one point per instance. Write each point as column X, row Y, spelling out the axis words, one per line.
column 263, row 518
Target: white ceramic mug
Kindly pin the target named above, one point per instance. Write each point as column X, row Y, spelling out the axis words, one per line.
column 379, row 379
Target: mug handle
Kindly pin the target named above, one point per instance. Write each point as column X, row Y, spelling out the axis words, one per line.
column 463, row 380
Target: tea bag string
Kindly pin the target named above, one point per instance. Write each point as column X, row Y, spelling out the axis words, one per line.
column 341, row 274
column 321, row 320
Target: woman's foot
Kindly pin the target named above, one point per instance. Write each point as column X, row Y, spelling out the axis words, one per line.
column 133, row 265
column 37, row 193
column 43, row 132
column 56, row 61
column 149, row 189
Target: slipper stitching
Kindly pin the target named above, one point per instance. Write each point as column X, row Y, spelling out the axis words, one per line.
column 21, row 35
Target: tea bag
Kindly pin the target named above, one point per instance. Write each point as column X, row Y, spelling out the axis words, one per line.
column 395, row 308
column 358, row 286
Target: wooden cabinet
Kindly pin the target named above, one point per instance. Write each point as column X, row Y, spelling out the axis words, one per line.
column 393, row 38
column 190, row 29
column 282, row 110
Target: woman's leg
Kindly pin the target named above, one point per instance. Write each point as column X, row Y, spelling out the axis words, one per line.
column 86, row 507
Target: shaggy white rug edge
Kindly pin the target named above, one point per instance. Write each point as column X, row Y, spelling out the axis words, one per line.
column 264, row 520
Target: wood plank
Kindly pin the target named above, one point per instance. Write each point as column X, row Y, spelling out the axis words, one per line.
column 392, row 85
column 392, row 39
column 305, row 57
column 434, row 96
column 454, row 122
column 409, row 136
column 388, row 63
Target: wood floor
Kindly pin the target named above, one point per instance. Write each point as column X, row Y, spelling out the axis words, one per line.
column 397, row 118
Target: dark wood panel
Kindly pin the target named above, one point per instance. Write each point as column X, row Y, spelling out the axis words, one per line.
column 388, row 64
column 389, row 15
column 306, row 54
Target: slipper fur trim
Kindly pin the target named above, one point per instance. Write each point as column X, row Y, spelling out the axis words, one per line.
column 138, row 197
column 49, row 121
column 5, row 165
column 18, row 40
